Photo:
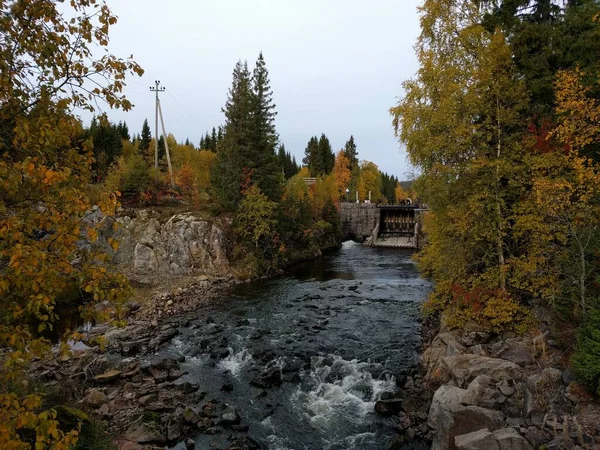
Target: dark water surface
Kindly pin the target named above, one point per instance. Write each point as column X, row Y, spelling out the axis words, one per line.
column 339, row 328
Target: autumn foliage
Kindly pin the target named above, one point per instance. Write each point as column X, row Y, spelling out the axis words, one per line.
column 48, row 228
column 507, row 147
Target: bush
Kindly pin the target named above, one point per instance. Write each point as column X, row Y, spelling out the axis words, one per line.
column 491, row 309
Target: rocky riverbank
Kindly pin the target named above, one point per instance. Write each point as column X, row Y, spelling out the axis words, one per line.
column 137, row 394
column 508, row 392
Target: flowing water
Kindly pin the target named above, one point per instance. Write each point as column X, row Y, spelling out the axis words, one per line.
column 336, row 330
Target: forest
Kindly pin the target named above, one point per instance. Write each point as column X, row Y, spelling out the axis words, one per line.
column 502, row 120
column 55, row 170
column 501, row 123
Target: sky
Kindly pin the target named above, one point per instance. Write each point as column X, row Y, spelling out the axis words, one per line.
column 336, row 67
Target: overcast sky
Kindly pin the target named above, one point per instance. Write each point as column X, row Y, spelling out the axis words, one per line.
column 336, row 66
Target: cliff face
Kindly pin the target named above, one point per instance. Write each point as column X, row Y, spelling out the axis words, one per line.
column 184, row 245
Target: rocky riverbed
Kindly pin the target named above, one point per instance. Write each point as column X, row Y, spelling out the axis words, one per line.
column 311, row 360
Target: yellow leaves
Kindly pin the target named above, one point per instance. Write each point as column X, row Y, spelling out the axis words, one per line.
column 114, row 244
column 92, row 234
column 579, row 111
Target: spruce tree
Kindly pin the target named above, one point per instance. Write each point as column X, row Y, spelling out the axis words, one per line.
column 227, row 170
column 219, row 135
column 108, row 146
column 262, row 156
column 327, row 155
column 312, row 157
column 161, row 148
column 213, row 140
column 145, row 138
column 351, row 153
column 124, row 130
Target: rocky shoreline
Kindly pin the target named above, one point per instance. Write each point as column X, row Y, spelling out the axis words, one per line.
column 475, row 390
column 138, row 397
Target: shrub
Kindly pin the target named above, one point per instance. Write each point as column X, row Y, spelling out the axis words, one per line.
column 491, row 309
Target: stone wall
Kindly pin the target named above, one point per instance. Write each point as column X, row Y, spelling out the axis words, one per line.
column 358, row 220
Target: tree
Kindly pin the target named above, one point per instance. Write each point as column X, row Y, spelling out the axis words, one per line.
column 46, row 243
column 256, row 219
column 287, row 162
column 327, row 156
column 230, row 161
column 352, row 155
column 400, row 193
column 108, row 146
column 262, row 158
column 146, row 138
column 318, row 156
column 369, row 181
column 312, row 157
column 341, row 173
column 123, row 130
column 462, row 120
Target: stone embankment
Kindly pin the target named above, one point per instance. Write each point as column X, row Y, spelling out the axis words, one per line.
column 479, row 391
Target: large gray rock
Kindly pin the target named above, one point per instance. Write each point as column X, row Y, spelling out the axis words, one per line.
column 449, row 417
column 477, row 440
column 184, row 245
column 509, row 439
column 504, row 439
column 481, row 393
column 465, row 368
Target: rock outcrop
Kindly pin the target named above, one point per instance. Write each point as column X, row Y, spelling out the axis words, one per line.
column 182, row 246
column 498, row 393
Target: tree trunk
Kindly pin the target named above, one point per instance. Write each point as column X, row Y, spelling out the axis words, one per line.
column 499, row 241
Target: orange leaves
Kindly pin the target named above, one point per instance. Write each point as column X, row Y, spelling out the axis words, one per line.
column 341, row 172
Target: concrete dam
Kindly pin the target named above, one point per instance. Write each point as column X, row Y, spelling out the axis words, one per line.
column 396, row 226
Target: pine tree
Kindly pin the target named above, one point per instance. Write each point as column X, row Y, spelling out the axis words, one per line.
column 263, row 159
column 227, row 170
column 145, row 138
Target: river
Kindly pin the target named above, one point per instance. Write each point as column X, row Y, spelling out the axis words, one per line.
column 304, row 357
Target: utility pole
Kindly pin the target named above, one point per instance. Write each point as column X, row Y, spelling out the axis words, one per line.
column 166, row 146
column 157, row 88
